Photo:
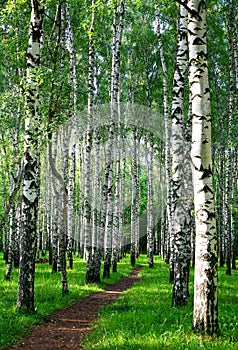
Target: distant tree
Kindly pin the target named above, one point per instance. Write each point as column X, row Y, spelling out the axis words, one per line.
column 118, row 25
column 90, row 265
column 167, row 138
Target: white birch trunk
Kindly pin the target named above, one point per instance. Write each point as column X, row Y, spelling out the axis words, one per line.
column 205, row 313
column 73, row 99
column 134, row 196
column 150, row 233
column 116, row 98
column 31, row 172
column 180, row 257
column 118, row 24
column 167, row 141
column 70, row 207
column 138, row 189
column 96, row 209
column 233, row 216
column 122, row 187
column 90, row 267
column 81, row 202
column 228, row 170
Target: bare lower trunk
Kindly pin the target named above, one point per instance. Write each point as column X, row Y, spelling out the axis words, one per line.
column 205, row 314
column 31, row 166
column 180, row 223
column 88, row 166
column 169, row 231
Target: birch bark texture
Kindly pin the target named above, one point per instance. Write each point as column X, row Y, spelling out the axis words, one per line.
column 167, row 138
column 181, row 254
column 90, row 267
column 118, row 24
column 31, row 164
column 205, row 314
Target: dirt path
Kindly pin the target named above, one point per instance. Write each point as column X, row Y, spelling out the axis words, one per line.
column 66, row 328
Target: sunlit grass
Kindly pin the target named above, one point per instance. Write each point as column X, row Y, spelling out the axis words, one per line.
column 48, row 296
column 143, row 318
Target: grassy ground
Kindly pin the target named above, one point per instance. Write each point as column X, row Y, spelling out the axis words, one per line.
column 143, row 318
column 48, row 297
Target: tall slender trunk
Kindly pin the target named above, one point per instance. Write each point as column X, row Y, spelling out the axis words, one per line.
column 73, row 107
column 179, row 196
column 16, row 246
column 115, row 98
column 122, row 184
column 134, row 195
column 115, row 233
column 221, row 183
column 10, row 252
column 59, row 205
column 138, row 195
column 118, row 24
column 233, row 221
column 167, row 142
column 88, row 166
column 47, row 211
column 52, row 151
column 96, row 209
column 229, row 170
column 205, row 313
column 65, row 134
column 150, row 233
column 63, row 205
column 31, row 171
column 149, row 160
column 81, row 200
column 70, row 207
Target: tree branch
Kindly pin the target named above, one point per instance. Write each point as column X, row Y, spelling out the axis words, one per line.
column 194, row 13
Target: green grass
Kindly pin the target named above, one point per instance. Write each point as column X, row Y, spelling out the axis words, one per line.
column 143, row 318
column 14, row 325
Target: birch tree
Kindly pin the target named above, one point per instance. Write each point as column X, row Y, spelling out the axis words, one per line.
column 232, row 109
column 179, row 198
column 150, row 233
column 233, row 220
column 31, row 164
column 134, row 194
column 73, row 107
column 97, row 238
column 167, row 137
column 87, row 211
column 115, row 98
column 118, row 23
column 205, row 314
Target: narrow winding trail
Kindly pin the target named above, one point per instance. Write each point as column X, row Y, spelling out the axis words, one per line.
column 66, row 328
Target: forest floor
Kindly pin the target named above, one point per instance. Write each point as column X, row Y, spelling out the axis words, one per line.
column 65, row 329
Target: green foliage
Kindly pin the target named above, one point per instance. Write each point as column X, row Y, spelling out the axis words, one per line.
column 143, row 318
column 48, row 297
column 139, row 63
